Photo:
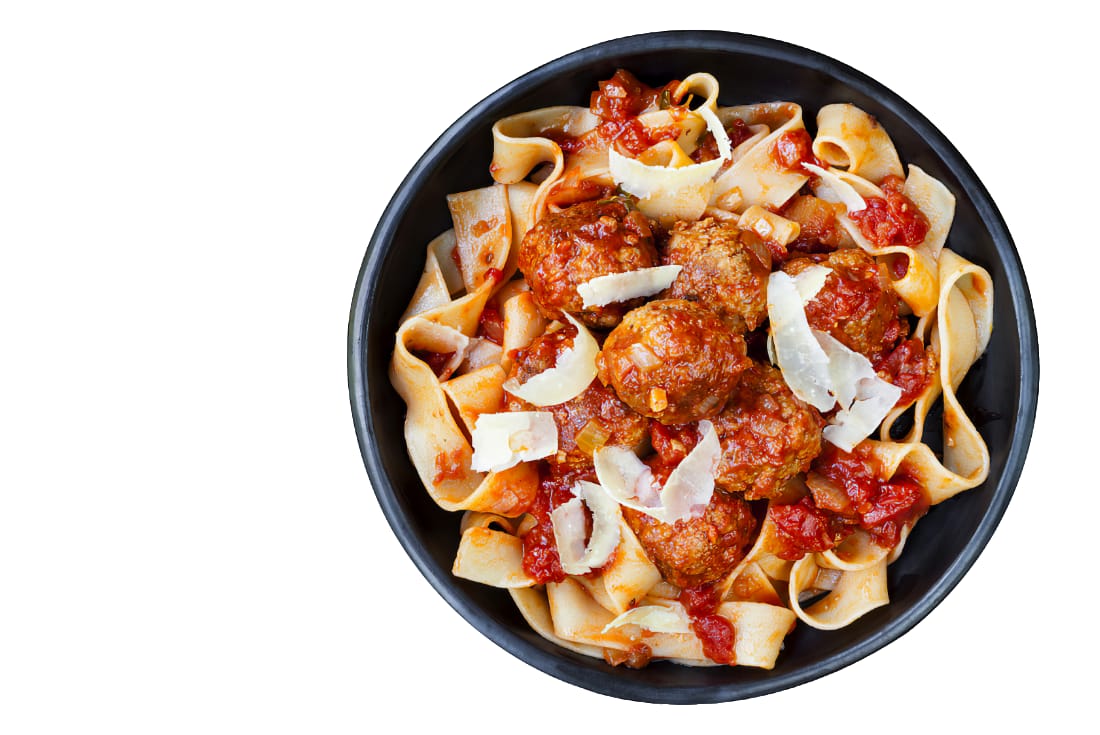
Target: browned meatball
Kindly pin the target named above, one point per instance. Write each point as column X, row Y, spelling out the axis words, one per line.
column 699, row 550
column 587, row 240
column 856, row 305
column 673, row 360
column 724, row 268
column 767, row 435
column 613, row 418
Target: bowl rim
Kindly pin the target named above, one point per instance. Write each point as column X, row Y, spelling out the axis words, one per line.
column 715, row 41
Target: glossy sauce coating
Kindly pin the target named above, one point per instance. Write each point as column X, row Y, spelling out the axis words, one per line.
column 699, row 550
column 723, row 267
column 673, row 360
column 578, row 244
column 856, row 305
column 893, row 220
column 597, row 403
column 768, row 435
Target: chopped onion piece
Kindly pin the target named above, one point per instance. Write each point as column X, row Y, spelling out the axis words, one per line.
column 642, row 357
column 574, row 371
column 614, row 287
column 686, row 493
column 568, row 522
column 827, row 579
column 592, row 436
column 832, row 188
column 503, row 440
column 803, row 362
column 654, row 618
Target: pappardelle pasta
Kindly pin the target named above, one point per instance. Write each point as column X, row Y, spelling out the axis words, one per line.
column 657, row 362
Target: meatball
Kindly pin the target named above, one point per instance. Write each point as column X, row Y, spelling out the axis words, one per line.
column 572, row 247
column 724, row 268
column 767, row 435
column 699, row 550
column 673, row 360
column 613, row 418
column 856, row 305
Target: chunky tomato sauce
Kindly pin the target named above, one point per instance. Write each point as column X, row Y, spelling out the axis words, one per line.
column 792, row 149
column 910, row 367
column 882, row 507
column 893, row 220
column 714, row 631
column 707, row 147
column 540, row 552
column 618, row 103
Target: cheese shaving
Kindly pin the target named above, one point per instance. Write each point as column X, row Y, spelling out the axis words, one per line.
column 503, row 440
column 685, row 494
column 672, row 191
column 832, row 188
column 803, row 362
column 822, row 371
column 568, row 522
column 810, row 281
column 864, row 397
column 574, row 371
column 654, row 618
column 603, row 290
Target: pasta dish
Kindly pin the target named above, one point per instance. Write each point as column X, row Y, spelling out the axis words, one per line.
column 675, row 365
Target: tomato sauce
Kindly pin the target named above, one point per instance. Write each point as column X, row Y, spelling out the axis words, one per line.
column 620, row 100
column 893, row 219
column 540, row 551
column 707, row 147
column 672, row 443
column 715, row 632
column 490, row 325
column 910, row 367
column 437, row 361
column 792, row 149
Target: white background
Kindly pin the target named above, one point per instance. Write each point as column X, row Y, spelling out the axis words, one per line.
column 188, row 541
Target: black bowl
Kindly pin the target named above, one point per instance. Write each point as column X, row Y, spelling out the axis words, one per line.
column 1000, row 391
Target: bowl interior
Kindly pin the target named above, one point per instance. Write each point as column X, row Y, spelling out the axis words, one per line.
column 998, row 393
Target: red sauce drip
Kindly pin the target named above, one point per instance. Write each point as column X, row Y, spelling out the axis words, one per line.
column 792, row 149
column 568, row 143
column 490, row 325
column 540, row 551
column 496, row 275
column 893, row 220
column 910, row 368
column 714, row 631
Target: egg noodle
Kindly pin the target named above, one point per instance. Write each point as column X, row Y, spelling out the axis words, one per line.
column 474, row 456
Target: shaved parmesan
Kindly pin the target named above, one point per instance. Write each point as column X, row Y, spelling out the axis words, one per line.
column 832, row 188
column 822, row 371
column 672, row 191
column 864, row 397
column 635, row 284
column 574, row 371
column 810, row 281
column 686, row 493
column 654, row 618
column 568, row 522
column 803, row 362
column 503, row 440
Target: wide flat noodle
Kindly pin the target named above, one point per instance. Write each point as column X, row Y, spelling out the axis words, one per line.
column 438, row 446
column 857, row 593
column 965, row 315
column 756, row 177
column 847, row 137
column 491, row 557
